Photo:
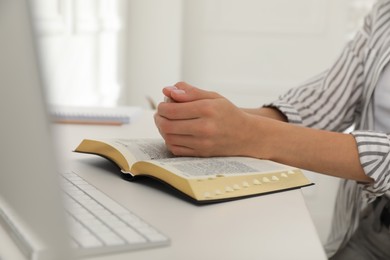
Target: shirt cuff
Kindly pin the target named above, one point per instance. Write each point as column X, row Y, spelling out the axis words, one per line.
column 289, row 111
column 374, row 153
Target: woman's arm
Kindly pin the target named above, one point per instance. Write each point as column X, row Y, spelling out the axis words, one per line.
column 202, row 123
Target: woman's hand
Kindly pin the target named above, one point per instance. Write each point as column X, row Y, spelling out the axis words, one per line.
column 196, row 122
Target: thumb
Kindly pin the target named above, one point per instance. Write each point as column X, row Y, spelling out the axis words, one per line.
column 184, row 92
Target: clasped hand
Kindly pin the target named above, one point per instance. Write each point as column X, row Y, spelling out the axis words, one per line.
column 196, row 122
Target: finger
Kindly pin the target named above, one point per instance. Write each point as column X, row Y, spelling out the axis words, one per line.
column 156, row 118
column 181, row 150
column 188, row 145
column 181, row 145
column 182, row 127
column 167, row 91
column 184, row 92
column 182, row 111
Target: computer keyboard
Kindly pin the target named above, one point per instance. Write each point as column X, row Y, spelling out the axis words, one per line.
column 98, row 224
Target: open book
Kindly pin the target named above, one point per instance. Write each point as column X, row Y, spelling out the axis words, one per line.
column 202, row 179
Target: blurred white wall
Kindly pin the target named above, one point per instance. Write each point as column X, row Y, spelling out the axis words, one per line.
column 154, row 48
column 252, row 50
column 110, row 52
column 249, row 50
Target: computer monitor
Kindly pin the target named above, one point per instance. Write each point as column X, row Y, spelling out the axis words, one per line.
column 29, row 189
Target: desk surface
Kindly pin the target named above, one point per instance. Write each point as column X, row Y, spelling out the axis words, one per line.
column 276, row 226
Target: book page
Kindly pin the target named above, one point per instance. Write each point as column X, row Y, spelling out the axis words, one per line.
column 142, row 149
column 192, row 167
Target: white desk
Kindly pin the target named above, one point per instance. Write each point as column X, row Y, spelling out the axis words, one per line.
column 276, row 226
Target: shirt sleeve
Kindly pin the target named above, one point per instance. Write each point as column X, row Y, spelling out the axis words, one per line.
column 333, row 101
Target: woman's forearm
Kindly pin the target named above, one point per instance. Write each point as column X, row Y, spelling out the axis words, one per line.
column 321, row 151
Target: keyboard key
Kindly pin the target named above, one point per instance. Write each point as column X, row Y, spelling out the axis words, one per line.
column 130, row 235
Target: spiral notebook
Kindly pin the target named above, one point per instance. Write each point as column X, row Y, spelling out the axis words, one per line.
column 95, row 115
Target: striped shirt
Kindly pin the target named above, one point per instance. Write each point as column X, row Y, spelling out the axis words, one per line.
column 343, row 96
column 382, row 104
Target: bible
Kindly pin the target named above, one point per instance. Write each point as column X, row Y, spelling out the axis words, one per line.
column 203, row 180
